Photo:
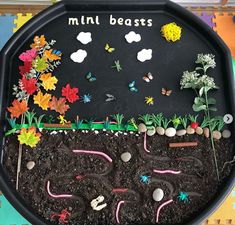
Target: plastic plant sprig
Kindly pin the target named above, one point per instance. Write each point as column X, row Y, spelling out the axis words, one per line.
column 90, row 122
column 176, row 121
column 118, row 118
column 12, row 122
column 184, row 121
column 78, row 122
column 30, row 117
column 106, row 123
column 91, row 152
column 157, row 119
column 165, row 123
column 193, row 118
column 205, row 122
column 147, row 119
column 38, row 120
column 132, row 122
column 220, row 123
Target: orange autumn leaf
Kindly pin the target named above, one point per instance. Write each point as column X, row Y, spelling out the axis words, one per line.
column 52, row 57
column 18, row 108
column 48, row 81
column 59, row 105
column 42, row 100
column 39, row 42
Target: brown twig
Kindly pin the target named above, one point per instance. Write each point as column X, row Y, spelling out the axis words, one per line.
column 183, row 144
column 57, row 125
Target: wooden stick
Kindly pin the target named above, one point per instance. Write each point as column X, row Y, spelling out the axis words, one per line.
column 183, row 144
column 57, row 125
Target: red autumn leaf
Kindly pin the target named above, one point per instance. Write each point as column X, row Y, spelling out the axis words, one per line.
column 18, row 108
column 25, row 68
column 29, row 85
column 59, row 105
column 70, row 93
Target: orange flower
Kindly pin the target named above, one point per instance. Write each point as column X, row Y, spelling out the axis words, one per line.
column 39, row 42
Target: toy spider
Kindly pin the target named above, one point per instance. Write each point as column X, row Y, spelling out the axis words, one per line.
column 62, row 216
column 144, row 179
column 183, row 197
column 86, row 98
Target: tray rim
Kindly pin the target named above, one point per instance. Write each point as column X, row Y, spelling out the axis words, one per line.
column 7, row 188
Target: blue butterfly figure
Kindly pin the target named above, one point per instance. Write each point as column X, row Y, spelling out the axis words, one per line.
column 56, row 52
column 132, row 87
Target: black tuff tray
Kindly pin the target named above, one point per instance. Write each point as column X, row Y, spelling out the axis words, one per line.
column 170, row 60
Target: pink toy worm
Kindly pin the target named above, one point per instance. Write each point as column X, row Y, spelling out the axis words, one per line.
column 56, row 196
column 167, row 171
column 118, row 209
column 101, row 122
column 160, row 207
column 94, row 153
column 145, row 142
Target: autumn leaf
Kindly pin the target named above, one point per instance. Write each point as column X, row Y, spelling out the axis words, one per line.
column 29, row 85
column 40, row 64
column 51, row 56
column 59, row 105
column 25, row 68
column 39, row 42
column 28, row 56
column 70, row 93
column 42, row 100
column 18, row 108
column 29, row 137
column 48, row 81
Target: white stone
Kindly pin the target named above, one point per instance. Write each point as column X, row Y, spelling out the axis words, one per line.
column 151, row 132
column 170, row 132
column 30, row 165
column 126, row 156
column 158, row 194
column 160, row 130
column 142, row 128
column 226, row 134
column 181, row 132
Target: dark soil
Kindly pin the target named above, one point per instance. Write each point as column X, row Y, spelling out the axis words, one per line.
column 56, row 162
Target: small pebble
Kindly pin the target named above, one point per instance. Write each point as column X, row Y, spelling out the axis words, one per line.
column 170, row 132
column 83, row 131
column 216, row 134
column 206, row 132
column 181, row 132
column 199, row 130
column 190, row 130
column 125, row 133
column 158, row 194
column 131, row 132
column 86, row 131
column 226, row 134
column 104, row 129
column 116, row 134
column 151, row 132
column 60, row 131
column 74, row 130
column 53, row 132
column 126, row 156
column 137, row 135
column 96, row 131
column 65, row 132
column 142, row 128
column 40, row 129
column 160, row 130
column 30, row 165
column 107, row 134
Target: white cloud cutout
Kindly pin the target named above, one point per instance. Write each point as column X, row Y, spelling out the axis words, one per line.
column 144, row 54
column 79, row 56
column 132, row 37
column 84, row 37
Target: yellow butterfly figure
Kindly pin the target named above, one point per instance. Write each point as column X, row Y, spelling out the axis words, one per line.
column 108, row 48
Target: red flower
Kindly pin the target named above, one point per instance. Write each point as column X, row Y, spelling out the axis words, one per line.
column 25, row 68
column 29, row 85
column 194, row 125
column 70, row 93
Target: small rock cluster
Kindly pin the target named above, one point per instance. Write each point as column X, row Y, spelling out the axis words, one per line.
column 171, row 131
